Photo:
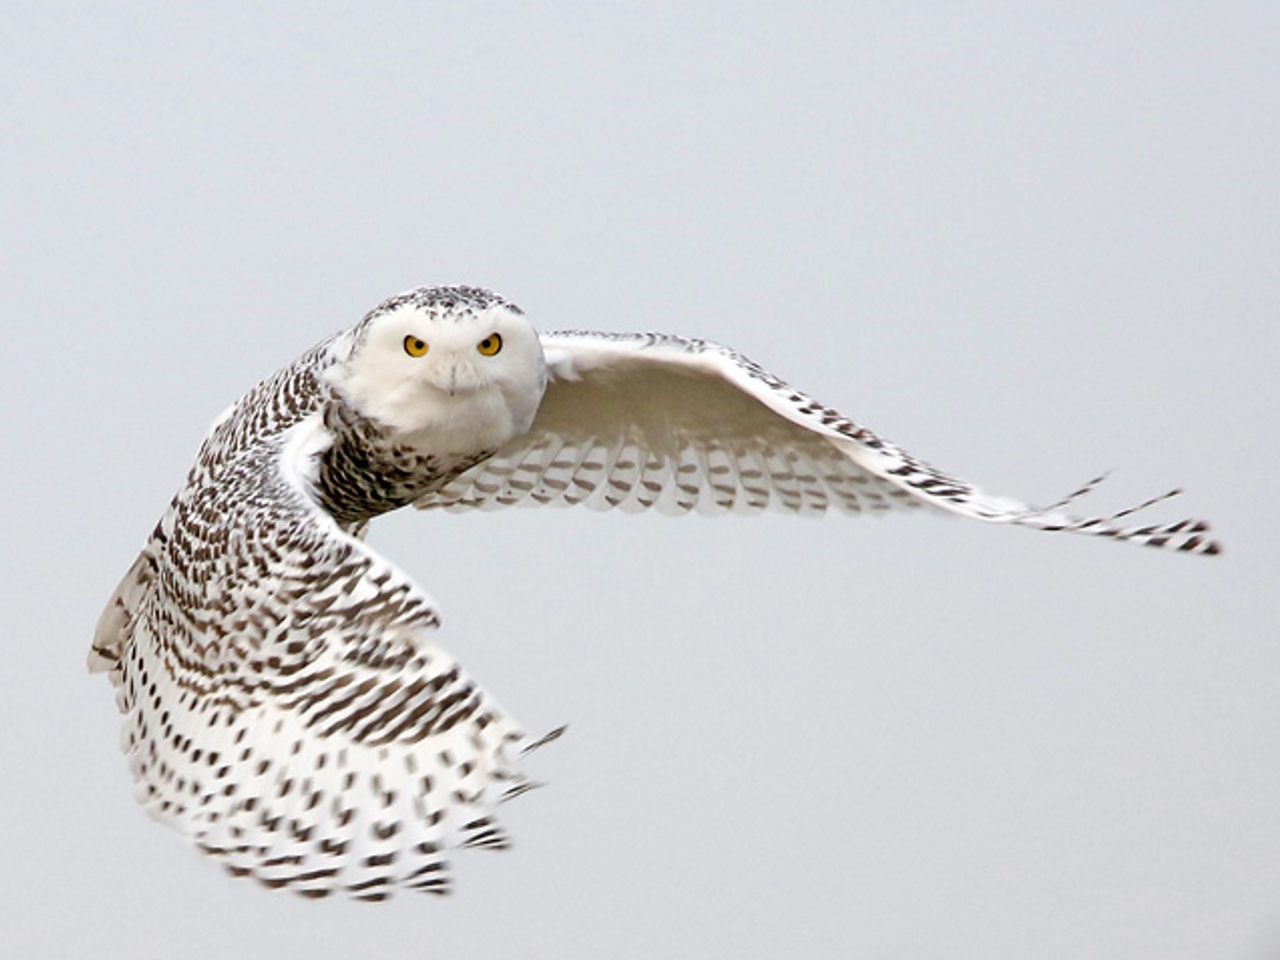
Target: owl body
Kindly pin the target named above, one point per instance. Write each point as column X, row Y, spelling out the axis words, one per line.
column 285, row 702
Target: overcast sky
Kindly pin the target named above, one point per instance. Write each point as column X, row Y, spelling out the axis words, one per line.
column 1028, row 242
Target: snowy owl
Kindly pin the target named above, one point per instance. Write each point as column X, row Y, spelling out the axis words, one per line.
column 286, row 704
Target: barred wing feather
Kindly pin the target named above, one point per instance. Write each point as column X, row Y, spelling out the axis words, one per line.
column 640, row 421
column 286, row 704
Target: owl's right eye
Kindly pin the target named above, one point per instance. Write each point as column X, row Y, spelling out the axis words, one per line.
column 415, row 347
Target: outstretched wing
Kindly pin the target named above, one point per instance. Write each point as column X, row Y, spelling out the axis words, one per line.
column 648, row 420
column 285, row 703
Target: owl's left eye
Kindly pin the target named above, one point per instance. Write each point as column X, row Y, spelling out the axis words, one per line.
column 490, row 345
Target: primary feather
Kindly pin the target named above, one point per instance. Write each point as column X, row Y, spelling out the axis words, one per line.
column 285, row 703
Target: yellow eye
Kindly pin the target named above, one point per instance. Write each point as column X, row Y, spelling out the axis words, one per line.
column 415, row 347
column 490, row 345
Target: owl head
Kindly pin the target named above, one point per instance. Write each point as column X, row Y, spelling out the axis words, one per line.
column 446, row 361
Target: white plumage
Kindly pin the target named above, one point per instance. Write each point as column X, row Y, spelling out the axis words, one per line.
column 285, row 703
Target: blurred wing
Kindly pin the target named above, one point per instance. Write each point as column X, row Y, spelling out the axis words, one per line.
column 647, row 420
column 288, row 709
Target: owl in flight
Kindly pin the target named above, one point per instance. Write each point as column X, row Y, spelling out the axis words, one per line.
column 286, row 705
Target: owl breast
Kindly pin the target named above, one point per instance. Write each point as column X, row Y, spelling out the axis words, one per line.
column 368, row 470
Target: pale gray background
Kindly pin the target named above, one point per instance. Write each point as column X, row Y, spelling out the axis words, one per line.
column 1027, row 241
